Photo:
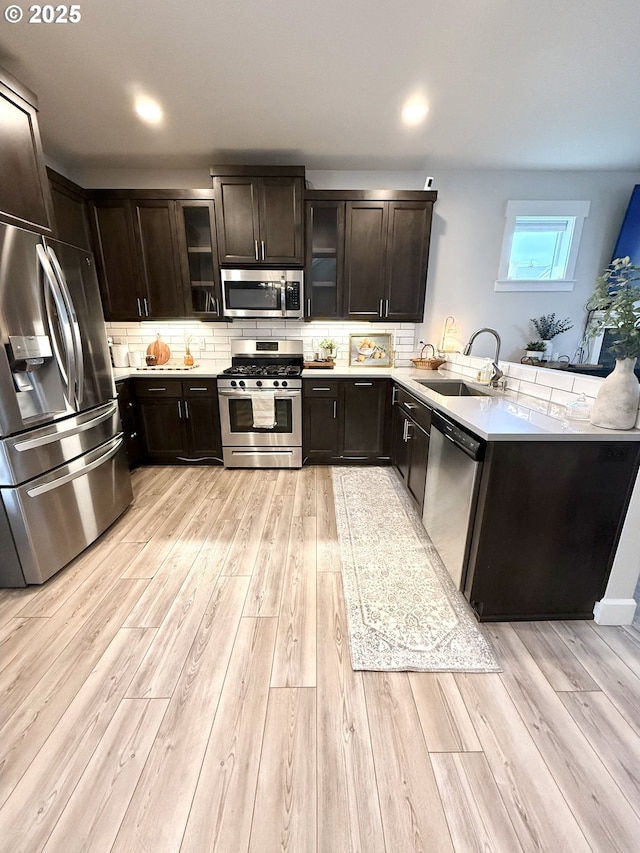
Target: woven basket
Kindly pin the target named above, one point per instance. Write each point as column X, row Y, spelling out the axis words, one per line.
column 428, row 363
column 432, row 363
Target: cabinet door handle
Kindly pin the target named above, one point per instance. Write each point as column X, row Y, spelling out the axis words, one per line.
column 146, row 306
column 308, row 306
column 404, row 430
column 179, row 409
column 335, row 408
column 255, row 243
column 386, row 307
column 263, row 250
column 360, row 384
column 409, row 436
column 380, row 309
column 186, row 409
column 394, row 396
column 139, row 306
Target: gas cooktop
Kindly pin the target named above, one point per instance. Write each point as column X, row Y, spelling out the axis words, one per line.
column 263, row 370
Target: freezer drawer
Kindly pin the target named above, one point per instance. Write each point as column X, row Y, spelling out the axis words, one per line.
column 53, row 518
column 27, row 455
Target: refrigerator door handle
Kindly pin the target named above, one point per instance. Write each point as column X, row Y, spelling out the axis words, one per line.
column 67, row 478
column 75, row 328
column 54, row 437
column 53, row 291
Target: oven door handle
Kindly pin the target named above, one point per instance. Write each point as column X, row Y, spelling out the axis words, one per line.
column 224, row 392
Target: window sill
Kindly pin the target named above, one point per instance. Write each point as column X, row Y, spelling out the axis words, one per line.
column 535, row 286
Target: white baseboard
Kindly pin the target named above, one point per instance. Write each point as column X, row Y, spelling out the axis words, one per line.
column 614, row 611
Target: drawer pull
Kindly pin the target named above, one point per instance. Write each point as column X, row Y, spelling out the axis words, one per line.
column 198, row 389
column 363, row 383
column 321, row 389
column 409, row 406
column 156, row 389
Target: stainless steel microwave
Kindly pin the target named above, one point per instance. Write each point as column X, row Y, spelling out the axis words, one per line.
column 262, row 293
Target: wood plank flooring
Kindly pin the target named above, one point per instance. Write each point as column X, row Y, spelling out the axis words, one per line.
column 185, row 685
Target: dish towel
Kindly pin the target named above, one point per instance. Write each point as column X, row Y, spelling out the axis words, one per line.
column 263, row 404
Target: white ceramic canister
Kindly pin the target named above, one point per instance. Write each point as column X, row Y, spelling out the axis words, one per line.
column 120, row 355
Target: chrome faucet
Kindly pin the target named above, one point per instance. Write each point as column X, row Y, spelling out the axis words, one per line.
column 496, row 373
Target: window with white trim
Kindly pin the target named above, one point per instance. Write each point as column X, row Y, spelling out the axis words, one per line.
column 540, row 245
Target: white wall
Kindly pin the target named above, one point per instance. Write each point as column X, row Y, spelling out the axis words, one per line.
column 466, row 241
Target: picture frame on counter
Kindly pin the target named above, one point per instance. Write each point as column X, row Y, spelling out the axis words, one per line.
column 373, row 350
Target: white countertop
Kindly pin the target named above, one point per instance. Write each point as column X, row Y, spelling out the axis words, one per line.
column 498, row 416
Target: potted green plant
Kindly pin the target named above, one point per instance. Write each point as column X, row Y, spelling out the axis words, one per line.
column 548, row 328
column 615, row 304
column 534, row 349
column 328, row 346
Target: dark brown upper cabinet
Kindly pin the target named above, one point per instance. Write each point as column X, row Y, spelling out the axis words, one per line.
column 259, row 215
column 70, row 210
column 157, row 254
column 139, row 267
column 114, row 243
column 25, row 199
column 367, row 254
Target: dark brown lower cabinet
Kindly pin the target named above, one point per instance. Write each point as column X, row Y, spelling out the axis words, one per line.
column 129, row 418
column 347, row 420
column 547, row 525
column 410, row 450
column 179, row 421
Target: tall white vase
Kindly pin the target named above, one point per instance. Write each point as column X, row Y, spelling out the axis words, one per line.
column 616, row 406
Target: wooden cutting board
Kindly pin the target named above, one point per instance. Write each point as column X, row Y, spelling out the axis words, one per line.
column 324, row 365
column 160, row 350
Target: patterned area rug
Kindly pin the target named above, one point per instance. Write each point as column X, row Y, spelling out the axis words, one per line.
column 403, row 611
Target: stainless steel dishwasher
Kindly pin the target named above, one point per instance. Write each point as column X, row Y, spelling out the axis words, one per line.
column 453, row 475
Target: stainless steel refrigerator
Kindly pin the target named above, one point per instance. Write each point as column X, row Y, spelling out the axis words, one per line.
column 64, row 476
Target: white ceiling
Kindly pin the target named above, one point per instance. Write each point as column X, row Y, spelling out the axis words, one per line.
column 523, row 84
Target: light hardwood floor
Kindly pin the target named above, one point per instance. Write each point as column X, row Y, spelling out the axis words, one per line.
column 185, row 685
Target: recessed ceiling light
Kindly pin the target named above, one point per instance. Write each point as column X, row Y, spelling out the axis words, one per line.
column 149, row 110
column 414, row 111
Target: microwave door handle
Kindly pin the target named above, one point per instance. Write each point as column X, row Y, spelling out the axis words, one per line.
column 283, row 295
column 75, row 327
column 66, row 360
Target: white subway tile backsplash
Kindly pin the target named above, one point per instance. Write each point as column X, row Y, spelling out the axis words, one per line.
column 532, row 389
column 562, row 398
column 555, row 379
column 523, row 371
column 586, row 385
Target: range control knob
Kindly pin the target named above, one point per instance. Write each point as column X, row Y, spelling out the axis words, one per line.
column 241, row 383
column 275, row 383
column 284, row 383
column 233, row 383
column 259, row 383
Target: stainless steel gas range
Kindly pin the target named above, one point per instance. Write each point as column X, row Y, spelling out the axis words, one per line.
column 260, row 399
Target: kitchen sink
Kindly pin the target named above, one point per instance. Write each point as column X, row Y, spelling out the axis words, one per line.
column 453, row 389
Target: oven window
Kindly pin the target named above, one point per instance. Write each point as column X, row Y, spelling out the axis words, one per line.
column 252, row 295
column 241, row 416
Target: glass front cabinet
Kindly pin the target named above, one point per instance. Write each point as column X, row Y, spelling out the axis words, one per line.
column 325, row 241
column 196, row 221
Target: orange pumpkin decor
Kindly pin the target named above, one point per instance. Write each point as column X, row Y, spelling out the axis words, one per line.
column 160, row 350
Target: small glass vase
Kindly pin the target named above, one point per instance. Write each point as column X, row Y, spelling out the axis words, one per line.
column 188, row 358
